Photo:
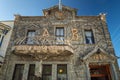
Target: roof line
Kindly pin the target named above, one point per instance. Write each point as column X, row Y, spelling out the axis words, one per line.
column 6, row 20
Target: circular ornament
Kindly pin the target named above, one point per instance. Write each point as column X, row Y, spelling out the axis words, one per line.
column 59, row 15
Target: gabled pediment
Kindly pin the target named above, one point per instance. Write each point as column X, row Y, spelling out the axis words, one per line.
column 4, row 26
column 98, row 54
column 32, row 25
column 57, row 7
column 55, row 11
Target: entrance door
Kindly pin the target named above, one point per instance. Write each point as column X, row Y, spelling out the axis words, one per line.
column 99, row 78
column 100, row 72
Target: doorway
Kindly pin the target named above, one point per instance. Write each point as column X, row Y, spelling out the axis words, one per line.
column 99, row 78
column 100, row 72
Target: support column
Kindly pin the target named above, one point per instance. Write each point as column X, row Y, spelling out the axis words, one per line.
column 38, row 69
column 87, row 71
column 25, row 72
column 54, row 71
column 69, row 72
column 114, row 71
column 11, row 70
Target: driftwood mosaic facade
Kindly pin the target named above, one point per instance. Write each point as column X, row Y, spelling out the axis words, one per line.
column 60, row 46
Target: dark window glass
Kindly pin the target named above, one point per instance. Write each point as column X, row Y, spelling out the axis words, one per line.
column 100, row 72
column 60, row 35
column 5, row 32
column 31, row 72
column 89, row 37
column 1, row 39
column 18, row 72
column 47, row 72
column 30, row 36
column 62, row 72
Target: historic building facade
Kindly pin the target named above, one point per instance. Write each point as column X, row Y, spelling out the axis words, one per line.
column 5, row 32
column 60, row 46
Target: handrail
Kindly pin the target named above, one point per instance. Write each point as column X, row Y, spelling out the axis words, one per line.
column 41, row 40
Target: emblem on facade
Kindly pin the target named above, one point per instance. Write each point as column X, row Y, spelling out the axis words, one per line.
column 59, row 15
column 74, row 34
column 46, row 13
column 45, row 33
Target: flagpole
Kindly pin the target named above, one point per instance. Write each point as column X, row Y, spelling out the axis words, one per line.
column 60, row 5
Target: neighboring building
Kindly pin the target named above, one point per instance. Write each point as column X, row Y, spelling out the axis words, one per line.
column 5, row 32
column 60, row 46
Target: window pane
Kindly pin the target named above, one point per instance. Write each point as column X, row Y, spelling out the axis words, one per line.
column 59, row 40
column 18, row 72
column 62, row 72
column 30, row 36
column 1, row 40
column 31, row 72
column 60, row 35
column 57, row 32
column 89, row 40
column 31, row 33
column 60, row 31
column 89, row 37
column 88, row 33
column 47, row 72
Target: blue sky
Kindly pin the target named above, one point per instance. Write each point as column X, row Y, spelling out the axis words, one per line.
column 85, row 7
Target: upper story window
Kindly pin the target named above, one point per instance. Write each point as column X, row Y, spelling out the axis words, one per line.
column 89, row 38
column 30, row 36
column 60, row 35
column 1, row 37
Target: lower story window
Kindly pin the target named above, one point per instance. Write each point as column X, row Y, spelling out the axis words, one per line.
column 18, row 72
column 31, row 72
column 47, row 72
column 61, row 72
